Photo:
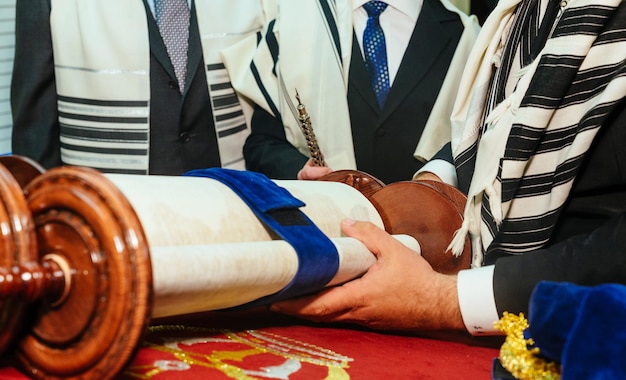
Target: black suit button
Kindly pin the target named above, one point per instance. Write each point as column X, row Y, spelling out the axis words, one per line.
column 172, row 84
column 184, row 137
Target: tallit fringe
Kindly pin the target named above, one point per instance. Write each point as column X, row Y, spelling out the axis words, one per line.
column 458, row 240
column 496, row 114
column 496, row 60
column 521, row 72
column 495, row 204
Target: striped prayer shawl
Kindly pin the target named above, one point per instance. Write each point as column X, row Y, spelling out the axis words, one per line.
column 222, row 24
column 523, row 155
column 437, row 129
column 102, row 69
column 317, row 38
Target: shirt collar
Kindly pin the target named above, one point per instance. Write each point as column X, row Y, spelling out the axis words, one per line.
column 411, row 8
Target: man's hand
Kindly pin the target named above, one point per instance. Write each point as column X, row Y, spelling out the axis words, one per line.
column 400, row 292
column 311, row 171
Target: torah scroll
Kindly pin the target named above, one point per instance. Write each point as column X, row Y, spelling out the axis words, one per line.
column 209, row 251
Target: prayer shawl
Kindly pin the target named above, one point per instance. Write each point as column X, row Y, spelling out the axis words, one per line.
column 532, row 143
column 437, row 129
column 102, row 69
column 315, row 37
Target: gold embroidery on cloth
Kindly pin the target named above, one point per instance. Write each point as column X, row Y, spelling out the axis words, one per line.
column 293, row 351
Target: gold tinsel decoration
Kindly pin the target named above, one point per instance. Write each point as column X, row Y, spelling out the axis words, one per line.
column 516, row 356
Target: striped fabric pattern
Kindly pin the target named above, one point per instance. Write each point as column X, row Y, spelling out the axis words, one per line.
column 7, row 48
column 323, row 42
column 579, row 78
column 111, row 136
column 230, row 121
column 103, row 85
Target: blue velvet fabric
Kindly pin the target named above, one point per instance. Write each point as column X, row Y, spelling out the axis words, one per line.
column 318, row 260
column 583, row 328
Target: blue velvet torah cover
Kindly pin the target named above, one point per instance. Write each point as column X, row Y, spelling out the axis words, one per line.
column 318, row 260
column 583, row 328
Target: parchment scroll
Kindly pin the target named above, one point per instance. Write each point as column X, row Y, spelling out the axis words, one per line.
column 210, row 252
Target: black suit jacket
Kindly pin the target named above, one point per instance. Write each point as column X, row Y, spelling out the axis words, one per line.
column 384, row 139
column 182, row 134
column 597, row 258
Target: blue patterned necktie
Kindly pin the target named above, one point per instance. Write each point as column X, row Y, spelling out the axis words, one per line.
column 375, row 50
column 172, row 17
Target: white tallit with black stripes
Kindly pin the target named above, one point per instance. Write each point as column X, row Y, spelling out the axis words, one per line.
column 523, row 154
column 315, row 42
column 103, row 80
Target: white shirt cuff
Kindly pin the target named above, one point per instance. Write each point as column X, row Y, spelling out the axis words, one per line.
column 478, row 306
column 443, row 169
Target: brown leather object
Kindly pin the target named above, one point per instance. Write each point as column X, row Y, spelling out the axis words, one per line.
column 365, row 183
column 430, row 211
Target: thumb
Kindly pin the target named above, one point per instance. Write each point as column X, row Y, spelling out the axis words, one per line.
column 374, row 238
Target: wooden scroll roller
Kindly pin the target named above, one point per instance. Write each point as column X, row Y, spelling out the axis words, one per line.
column 88, row 259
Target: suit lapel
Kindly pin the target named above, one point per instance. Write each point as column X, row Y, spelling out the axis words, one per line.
column 359, row 77
column 194, row 54
column 429, row 38
column 157, row 46
column 159, row 51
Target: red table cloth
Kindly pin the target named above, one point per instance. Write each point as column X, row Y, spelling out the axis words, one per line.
column 260, row 345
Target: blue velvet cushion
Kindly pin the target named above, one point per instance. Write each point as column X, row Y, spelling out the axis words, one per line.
column 583, row 328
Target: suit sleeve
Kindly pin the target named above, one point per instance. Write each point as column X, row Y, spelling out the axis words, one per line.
column 33, row 89
column 267, row 150
column 593, row 259
column 445, row 153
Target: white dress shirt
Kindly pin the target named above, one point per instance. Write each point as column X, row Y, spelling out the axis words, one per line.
column 397, row 21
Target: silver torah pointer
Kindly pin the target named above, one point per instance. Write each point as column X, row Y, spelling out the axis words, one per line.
column 309, row 135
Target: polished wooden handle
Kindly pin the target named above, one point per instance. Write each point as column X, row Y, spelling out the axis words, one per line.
column 74, row 253
column 17, row 242
column 33, row 281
